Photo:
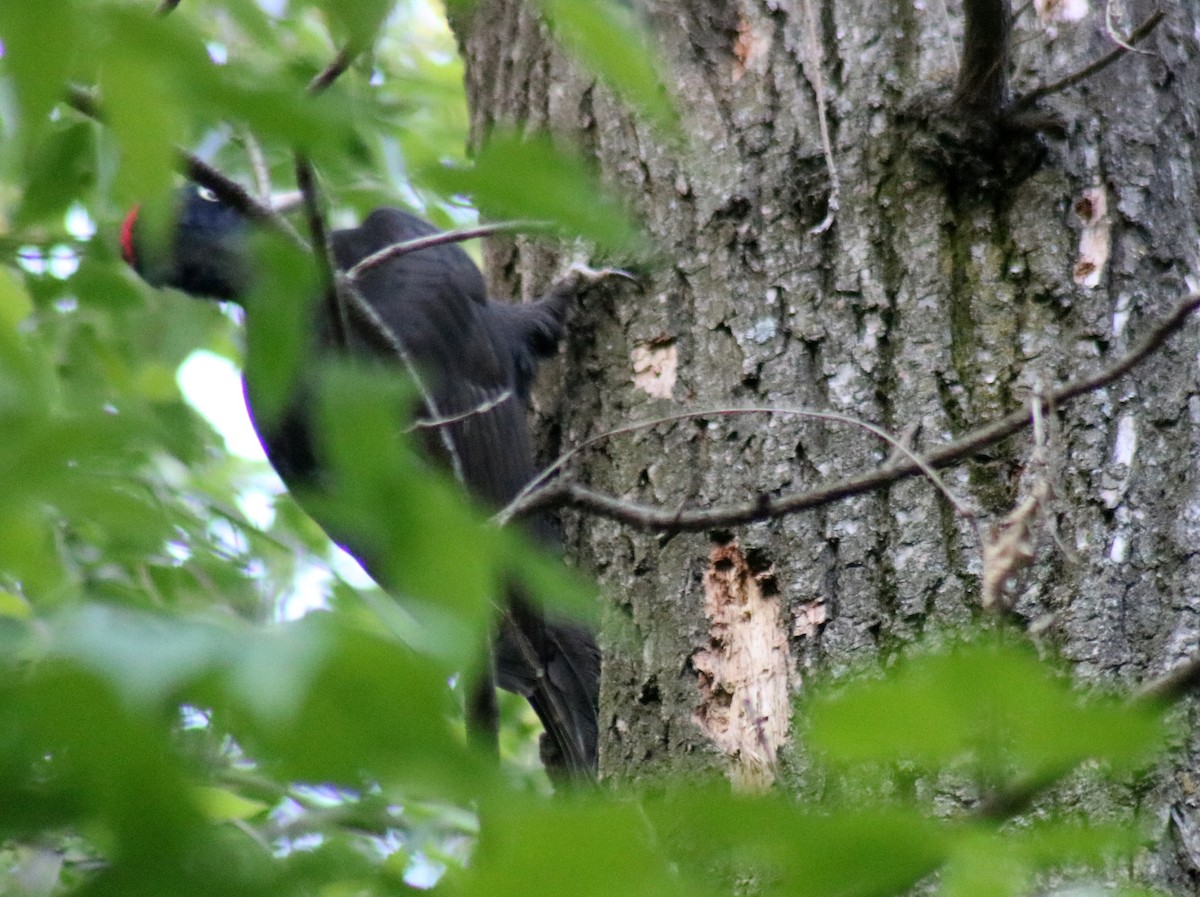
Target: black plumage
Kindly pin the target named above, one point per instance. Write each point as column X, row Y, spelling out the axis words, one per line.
column 471, row 352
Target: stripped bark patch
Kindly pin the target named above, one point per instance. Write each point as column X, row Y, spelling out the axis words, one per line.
column 654, row 367
column 752, row 48
column 1052, row 11
column 1095, row 240
column 808, row 619
column 743, row 670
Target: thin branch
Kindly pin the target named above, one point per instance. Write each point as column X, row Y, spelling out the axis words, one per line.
column 331, row 72
column 1138, row 33
column 233, row 194
column 83, row 101
column 1169, row 688
column 366, row 324
column 430, row 423
column 196, row 169
column 375, row 259
column 561, row 493
column 1110, row 29
column 1173, row 685
column 813, row 72
column 523, row 500
column 346, row 306
column 258, row 167
column 323, row 248
column 1016, row 797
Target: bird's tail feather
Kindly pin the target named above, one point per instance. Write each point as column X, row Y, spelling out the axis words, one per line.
column 558, row 670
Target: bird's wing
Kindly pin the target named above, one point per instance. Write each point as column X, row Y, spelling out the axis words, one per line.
column 434, row 302
column 469, row 355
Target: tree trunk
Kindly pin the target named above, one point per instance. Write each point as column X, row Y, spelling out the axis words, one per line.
column 952, row 268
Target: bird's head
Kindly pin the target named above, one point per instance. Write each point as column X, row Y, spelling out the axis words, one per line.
column 205, row 252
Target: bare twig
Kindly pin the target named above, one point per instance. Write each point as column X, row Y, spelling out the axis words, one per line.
column 813, row 72
column 1173, row 685
column 350, row 312
column 258, row 167
column 84, row 101
column 323, row 249
column 1016, row 797
column 1111, row 29
column 336, row 294
column 1138, row 33
column 331, row 72
column 430, row 423
column 561, row 493
column 526, row 496
column 366, row 324
column 196, row 169
column 375, row 259
column 233, row 194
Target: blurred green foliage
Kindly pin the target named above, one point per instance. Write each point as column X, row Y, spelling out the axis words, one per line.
column 167, row 728
column 607, row 37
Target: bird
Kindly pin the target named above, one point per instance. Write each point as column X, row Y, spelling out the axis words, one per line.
column 477, row 358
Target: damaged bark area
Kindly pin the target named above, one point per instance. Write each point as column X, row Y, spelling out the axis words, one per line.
column 744, row 669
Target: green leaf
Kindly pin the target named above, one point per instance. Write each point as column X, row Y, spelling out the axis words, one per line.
column 59, row 170
column 998, row 863
column 13, row 606
column 224, row 805
column 389, row 503
column 140, row 88
column 40, row 66
column 279, row 309
column 313, row 700
column 360, row 19
column 539, row 849
column 515, row 178
column 606, row 37
column 992, row 706
column 368, row 709
column 806, row 853
column 984, row 866
column 15, row 304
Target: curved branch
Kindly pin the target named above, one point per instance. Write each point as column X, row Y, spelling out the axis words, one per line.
column 375, row 259
column 365, row 323
column 1173, row 685
column 1138, row 33
column 563, row 493
column 518, row 507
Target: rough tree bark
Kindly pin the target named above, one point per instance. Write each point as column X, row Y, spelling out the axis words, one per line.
column 950, row 268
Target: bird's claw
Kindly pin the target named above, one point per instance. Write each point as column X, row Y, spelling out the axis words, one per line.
column 579, row 275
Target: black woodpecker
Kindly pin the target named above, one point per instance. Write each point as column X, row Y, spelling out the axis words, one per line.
column 471, row 352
